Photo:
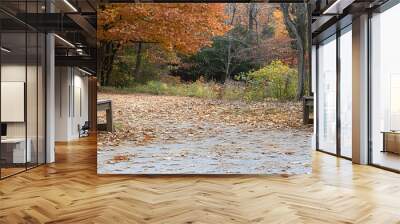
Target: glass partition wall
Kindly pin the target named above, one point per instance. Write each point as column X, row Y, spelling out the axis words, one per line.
column 22, row 88
column 334, row 104
column 385, row 89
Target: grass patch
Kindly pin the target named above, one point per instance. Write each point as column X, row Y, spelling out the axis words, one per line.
column 208, row 90
column 195, row 89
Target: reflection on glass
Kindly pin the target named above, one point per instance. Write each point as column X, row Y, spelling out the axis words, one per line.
column 385, row 93
column 327, row 95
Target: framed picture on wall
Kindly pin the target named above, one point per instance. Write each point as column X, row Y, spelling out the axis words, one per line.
column 12, row 101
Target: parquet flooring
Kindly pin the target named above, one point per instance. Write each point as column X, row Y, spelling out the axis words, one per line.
column 70, row 191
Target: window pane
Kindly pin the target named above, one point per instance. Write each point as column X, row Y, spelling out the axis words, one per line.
column 346, row 93
column 385, row 89
column 327, row 95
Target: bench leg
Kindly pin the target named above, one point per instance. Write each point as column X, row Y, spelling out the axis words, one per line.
column 109, row 120
column 306, row 115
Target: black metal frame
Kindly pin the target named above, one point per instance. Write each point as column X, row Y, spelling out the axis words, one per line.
column 338, row 98
column 369, row 77
column 316, row 118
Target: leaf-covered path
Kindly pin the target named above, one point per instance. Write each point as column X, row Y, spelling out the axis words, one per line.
column 184, row 135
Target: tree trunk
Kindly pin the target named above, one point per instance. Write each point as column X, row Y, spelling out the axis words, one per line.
column 229, row 53
column 300, row 49
column 138, row 60
column 107, row 53
column 251, row 19
column 228, row 63
column 252, row 10
column 301, row 75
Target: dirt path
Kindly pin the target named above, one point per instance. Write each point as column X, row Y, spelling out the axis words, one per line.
column 180, row 135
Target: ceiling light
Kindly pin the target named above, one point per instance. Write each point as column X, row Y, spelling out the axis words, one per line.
column 5, row 50
column 65, row 41
column 80, row 51
column 337, row 7
column 84, row 71
column 70, row 5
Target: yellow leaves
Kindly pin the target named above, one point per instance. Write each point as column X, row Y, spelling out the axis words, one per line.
column 147, row 138
column 280, row 28
column 119, row 158
column 182, row 27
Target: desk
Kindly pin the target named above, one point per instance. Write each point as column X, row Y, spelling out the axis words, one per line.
column 13, row 150
column 391, row 141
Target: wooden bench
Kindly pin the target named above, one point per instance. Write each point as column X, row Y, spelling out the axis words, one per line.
column 105, row 105
column 308, row 109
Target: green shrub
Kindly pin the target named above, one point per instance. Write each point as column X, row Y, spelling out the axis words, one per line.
column 120, row 76
column 255, row 93
column 276, row 80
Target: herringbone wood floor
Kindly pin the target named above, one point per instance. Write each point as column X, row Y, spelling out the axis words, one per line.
column 70, row 191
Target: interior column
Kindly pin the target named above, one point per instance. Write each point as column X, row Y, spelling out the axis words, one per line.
column 360, row 90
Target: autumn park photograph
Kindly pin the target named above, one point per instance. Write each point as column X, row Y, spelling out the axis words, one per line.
column 217, row 88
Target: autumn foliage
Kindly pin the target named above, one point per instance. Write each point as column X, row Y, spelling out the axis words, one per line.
column 179, row 27
column 141, row 42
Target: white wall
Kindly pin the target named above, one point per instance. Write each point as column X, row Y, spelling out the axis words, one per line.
column 62, row 81
column 80, row 96
column 33, row 126
column 12, row 73
column 71, row 103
